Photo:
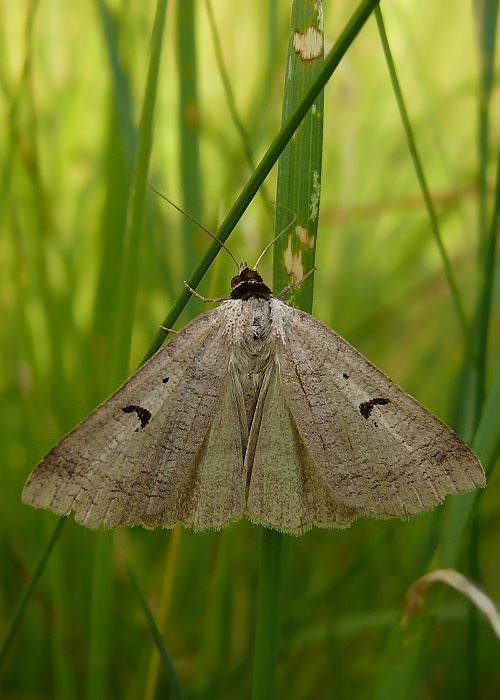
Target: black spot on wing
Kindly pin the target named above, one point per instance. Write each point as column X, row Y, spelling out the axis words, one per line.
column 165, row 380
column 366, row 407
column 142, row 413
column 345, row 375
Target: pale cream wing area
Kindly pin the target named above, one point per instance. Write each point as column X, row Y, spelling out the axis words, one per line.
column 286, row 489
column 377, row 450
column 212, row 494
column 165, row 447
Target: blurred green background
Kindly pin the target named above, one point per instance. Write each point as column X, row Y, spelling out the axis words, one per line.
column 87, row 276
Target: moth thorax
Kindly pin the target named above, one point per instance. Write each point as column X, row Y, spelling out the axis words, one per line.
column 248, row 284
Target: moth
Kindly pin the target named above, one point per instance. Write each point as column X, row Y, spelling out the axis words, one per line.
column 258, row 409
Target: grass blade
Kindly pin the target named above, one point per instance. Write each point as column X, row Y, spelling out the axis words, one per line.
column 160, row 644
column 431, row 212
column 128, row 287
column 275, row 550
column 28, row 592
column 299, row 183
column 127, row 244
column 189, row 132
column 486, row 16
column 272, row 154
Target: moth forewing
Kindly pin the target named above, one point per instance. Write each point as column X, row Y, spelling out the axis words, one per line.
column 254, row 408
column 377, row 448
column 139, row 446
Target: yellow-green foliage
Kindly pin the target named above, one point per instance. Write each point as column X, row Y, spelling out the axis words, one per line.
column 91, row 264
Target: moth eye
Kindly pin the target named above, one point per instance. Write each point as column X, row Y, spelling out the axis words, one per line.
column 235, row 281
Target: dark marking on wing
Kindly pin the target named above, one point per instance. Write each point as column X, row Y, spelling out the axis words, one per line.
column 345, row 375
column 366, row 407
column 165, row 380
column 142, row 413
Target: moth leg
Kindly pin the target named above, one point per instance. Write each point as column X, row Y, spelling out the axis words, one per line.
column 208, row 300
column 295, row 285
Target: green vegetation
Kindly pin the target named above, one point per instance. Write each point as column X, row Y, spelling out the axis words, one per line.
column 189, row 96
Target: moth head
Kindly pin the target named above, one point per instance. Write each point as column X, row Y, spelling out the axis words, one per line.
column 248, row 284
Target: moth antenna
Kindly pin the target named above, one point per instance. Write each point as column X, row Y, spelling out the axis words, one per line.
column 188, row 216
column 279, row 234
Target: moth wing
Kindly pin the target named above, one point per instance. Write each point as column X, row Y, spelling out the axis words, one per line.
column 148, row 454
column 209, row 490
column 286, row 490
column 377, row 449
